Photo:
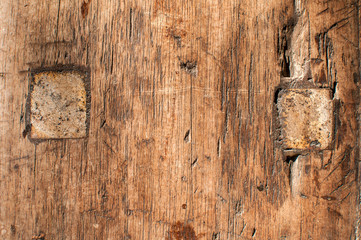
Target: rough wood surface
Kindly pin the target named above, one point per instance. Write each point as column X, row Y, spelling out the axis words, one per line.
column 183, row 120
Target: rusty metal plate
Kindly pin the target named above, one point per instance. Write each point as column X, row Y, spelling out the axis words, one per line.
column 306, row 118
column 58, row 104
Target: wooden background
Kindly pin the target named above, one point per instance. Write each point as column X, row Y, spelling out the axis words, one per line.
column 181, row 137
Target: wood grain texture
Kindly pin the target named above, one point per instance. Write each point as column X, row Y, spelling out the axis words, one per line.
column 182, row 124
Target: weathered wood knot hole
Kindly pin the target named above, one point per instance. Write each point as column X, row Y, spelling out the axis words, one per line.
column 58, row 103
column 305, row 118
column 190, row 67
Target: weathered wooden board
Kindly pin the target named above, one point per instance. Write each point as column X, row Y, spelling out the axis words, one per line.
column 183, row 139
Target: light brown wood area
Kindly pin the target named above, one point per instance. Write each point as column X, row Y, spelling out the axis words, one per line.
column 184, row 139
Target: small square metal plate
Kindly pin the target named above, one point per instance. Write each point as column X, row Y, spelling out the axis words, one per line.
column 306, row 118
column 58, row 103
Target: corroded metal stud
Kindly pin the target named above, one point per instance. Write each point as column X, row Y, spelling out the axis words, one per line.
column 58, row 103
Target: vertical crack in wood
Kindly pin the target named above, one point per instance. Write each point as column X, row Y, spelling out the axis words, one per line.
column 57, row 23
column 250, row 89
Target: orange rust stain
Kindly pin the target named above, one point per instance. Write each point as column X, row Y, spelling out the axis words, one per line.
column 180, row 231
column 40, row 236
column 85, row 8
